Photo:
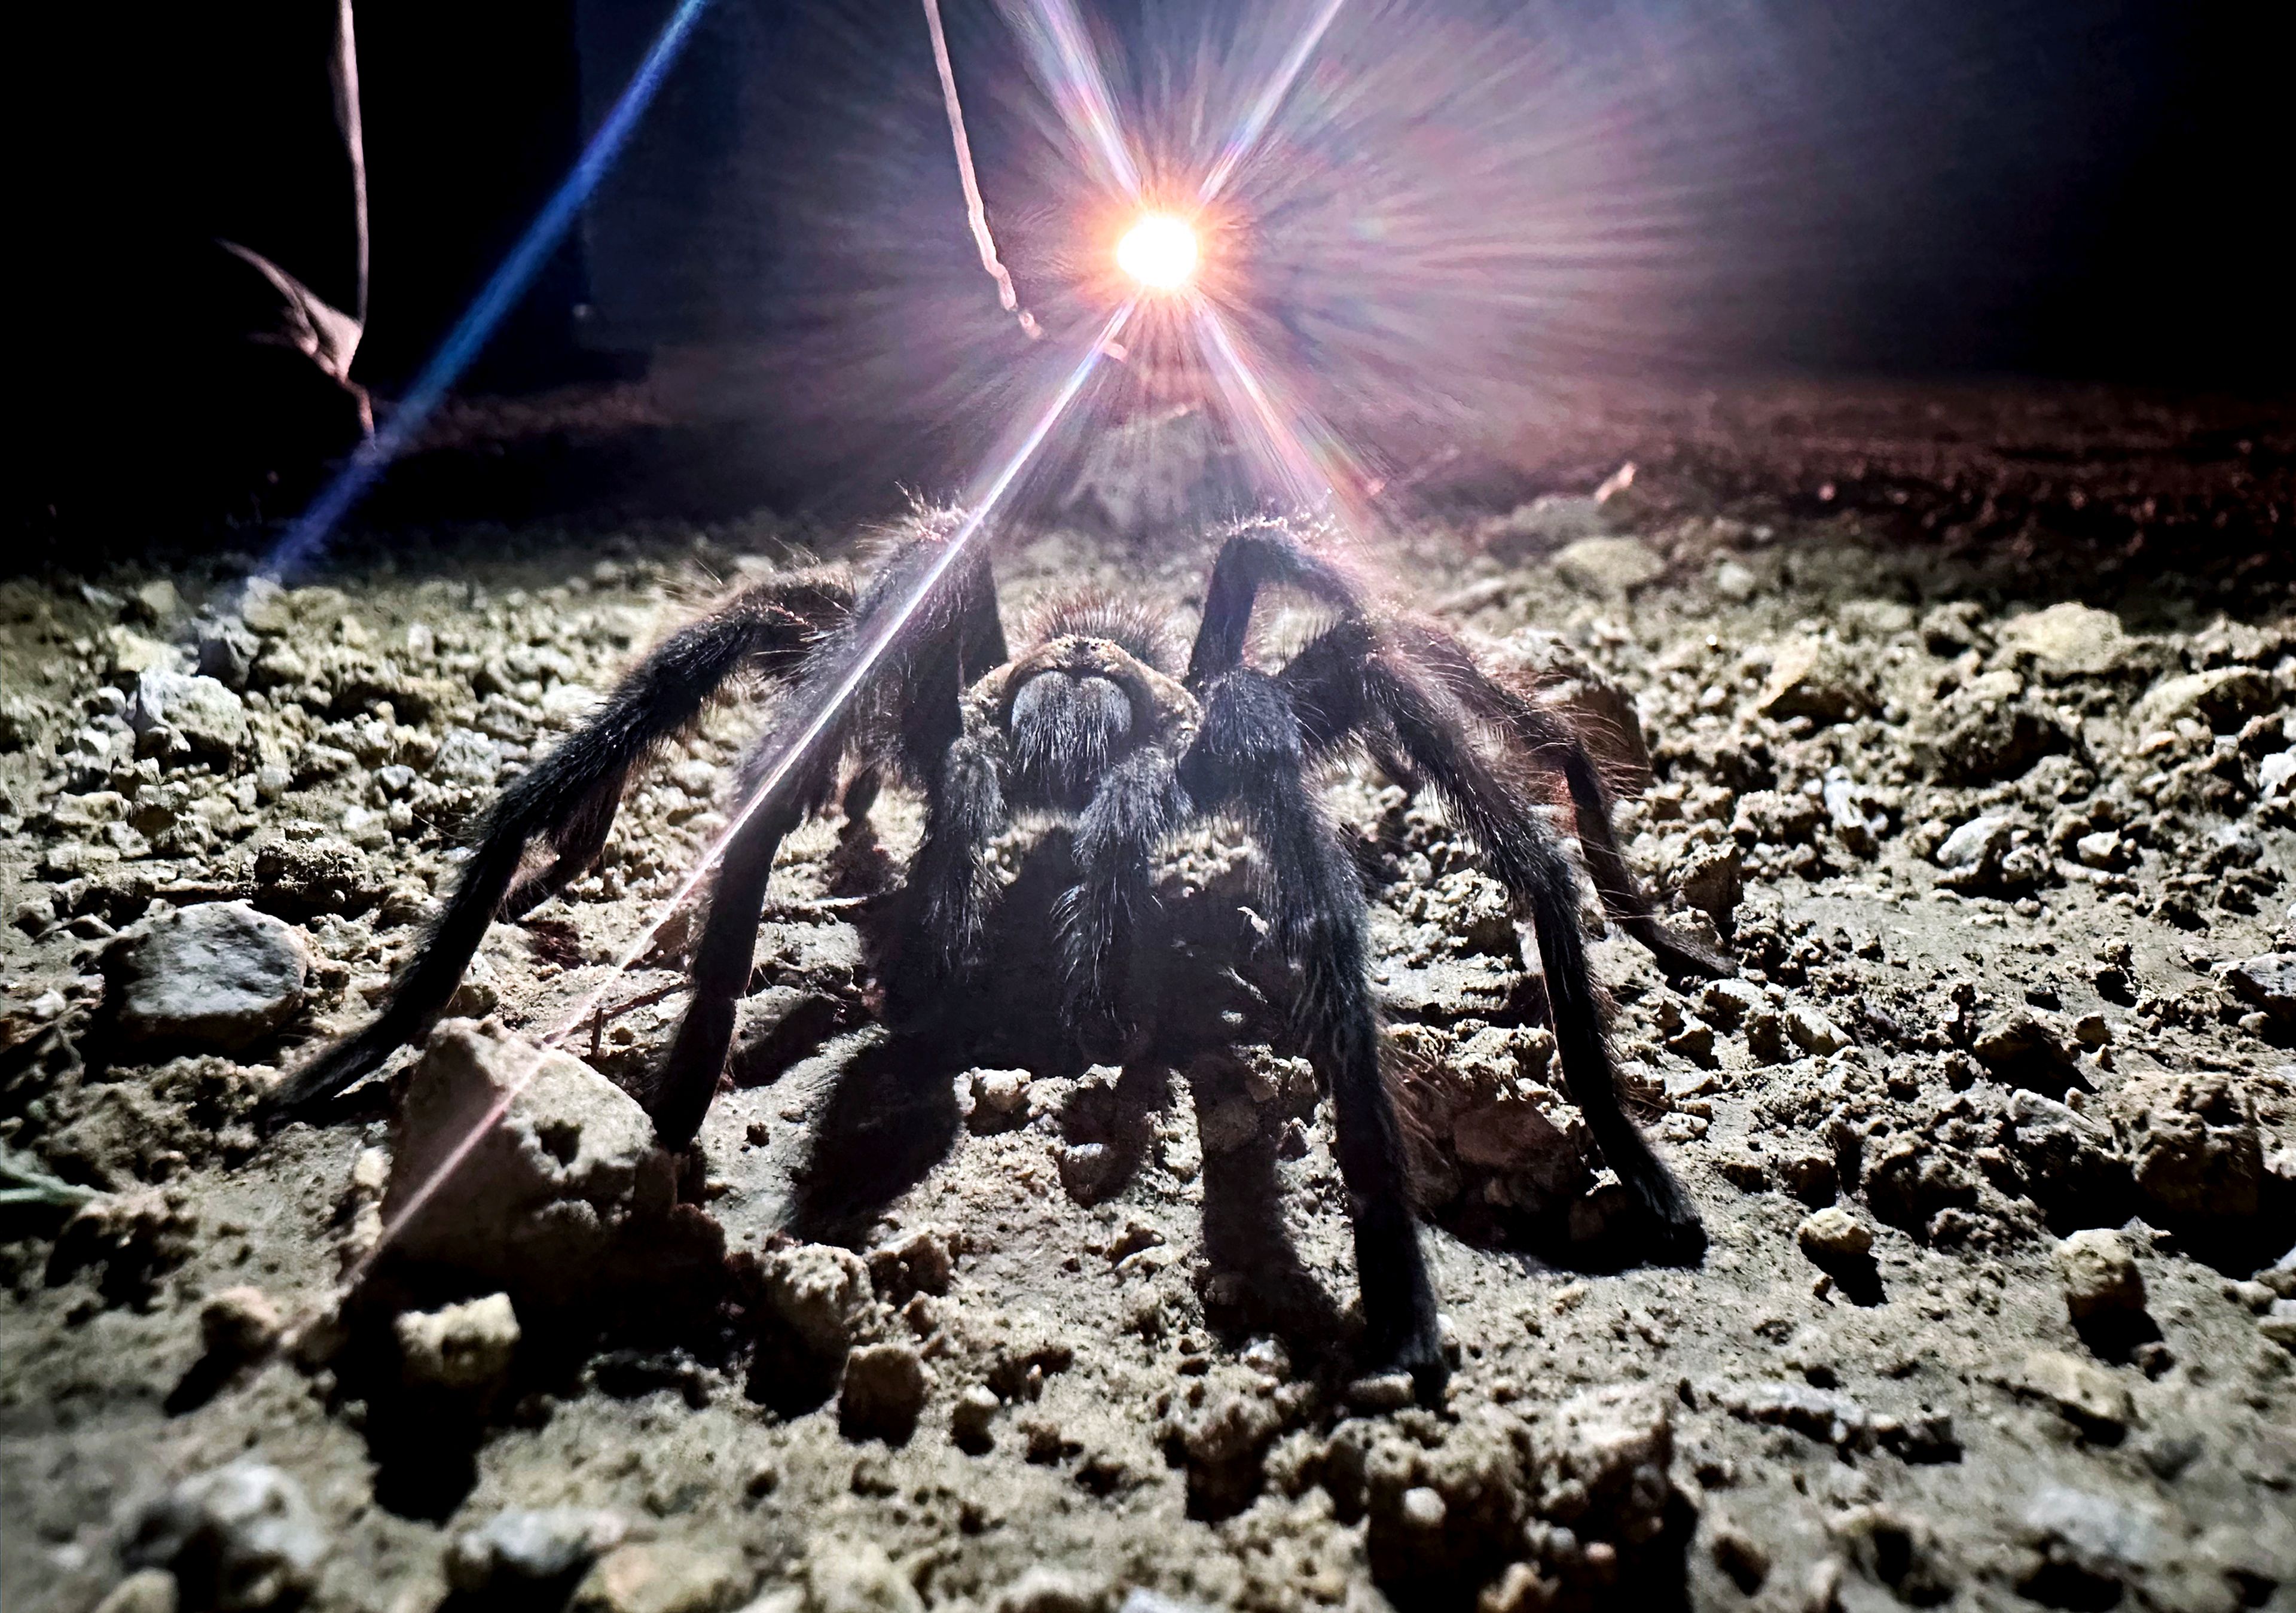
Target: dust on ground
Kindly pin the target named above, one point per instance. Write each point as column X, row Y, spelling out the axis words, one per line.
column 1995, row 1135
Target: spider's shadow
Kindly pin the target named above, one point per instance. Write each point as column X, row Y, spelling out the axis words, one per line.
column 892, row 1113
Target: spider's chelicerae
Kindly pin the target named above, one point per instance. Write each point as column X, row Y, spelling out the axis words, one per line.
column 1083, row 725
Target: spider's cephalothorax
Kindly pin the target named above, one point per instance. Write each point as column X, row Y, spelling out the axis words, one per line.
column 1092, row 724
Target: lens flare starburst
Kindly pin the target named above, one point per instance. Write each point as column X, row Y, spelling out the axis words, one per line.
column 1159, row 251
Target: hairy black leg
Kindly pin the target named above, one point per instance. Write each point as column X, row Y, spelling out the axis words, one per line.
column 1247, row 758
column 914, row 685
column 1138, row 804
column 570, row 797
column 946, row 902
column 1353, row 681
column 1267, row 555
column 1548, row 742
column 861, row 791
column 1259, row 556
column 577, row 841
column 680, row 1092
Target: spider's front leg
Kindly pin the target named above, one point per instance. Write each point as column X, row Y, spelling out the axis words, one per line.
column 568, row 801
column 943, row 625
column 1248, row 758
column 1355, row 682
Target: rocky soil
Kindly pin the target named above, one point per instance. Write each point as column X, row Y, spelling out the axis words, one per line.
column 1995, row 1133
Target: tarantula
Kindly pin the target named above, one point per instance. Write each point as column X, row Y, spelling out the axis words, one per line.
column 1085, row 725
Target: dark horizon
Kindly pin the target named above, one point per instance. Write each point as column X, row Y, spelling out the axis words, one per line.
column 2043, row 190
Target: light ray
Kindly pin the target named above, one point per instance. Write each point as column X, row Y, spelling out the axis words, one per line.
column 1262, row 110
column 1061, row 52
column 1305, row 456
column 308, row 536
column 865, row 658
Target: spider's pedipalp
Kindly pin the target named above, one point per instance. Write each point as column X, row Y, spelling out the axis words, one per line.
column 1139, row 804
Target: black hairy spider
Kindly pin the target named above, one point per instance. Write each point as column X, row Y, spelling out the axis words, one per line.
column 1084, row 725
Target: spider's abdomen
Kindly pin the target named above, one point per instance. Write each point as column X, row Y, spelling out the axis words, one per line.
column 1065, row 729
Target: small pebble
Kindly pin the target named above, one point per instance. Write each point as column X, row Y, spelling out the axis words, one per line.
column 1835, row 1234
column 2100, row 1276
column 462, row 1347
column 240, row 1324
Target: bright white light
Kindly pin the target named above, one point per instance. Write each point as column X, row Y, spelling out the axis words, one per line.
column 1160, row 252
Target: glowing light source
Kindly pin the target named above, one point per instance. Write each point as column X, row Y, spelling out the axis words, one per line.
column 1159, row 251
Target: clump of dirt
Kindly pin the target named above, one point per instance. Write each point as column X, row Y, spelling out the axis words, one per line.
column 1995, row 1133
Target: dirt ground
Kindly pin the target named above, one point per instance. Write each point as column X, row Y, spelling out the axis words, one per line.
column 1994, row 1134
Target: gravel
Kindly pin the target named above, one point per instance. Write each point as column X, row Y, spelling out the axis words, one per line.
column 1994, row 1134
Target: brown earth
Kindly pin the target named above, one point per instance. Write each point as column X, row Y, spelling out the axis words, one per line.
column 2006, row 875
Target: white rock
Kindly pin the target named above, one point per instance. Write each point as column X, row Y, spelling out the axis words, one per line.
column 212, row 719
column 145, row 1590
column 851, row 1574
column 1044, row 1589
column 237, row 1537
column 998, row 1096
column 1609, row 567
column 218, row 974
column 1812, row 1032
column 820, row 1291
column 1835, row 1234
column 2070, row 637
column 2100, row 1275
column 2269, row 982
column 568, row 1189
column 1968, row 846
column 2220, row 698
column 466, row 756
column 2275, row 774
column 2089, row 1396
column 883, row 1390
column 1553, row 518
column 533, row 1545
column 1735, row 583
column 464, row 1347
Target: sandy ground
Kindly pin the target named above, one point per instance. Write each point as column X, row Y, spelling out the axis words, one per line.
column 2008, row 876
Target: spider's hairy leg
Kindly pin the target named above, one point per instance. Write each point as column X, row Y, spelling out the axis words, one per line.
column 569, row 798
column 1248, row 759
column 1351, row 681
column 1545, row 740
column 577, row 841
column 914, row 684
column 947, row 891
column 1257, row 556
column 1137, row 805
column 679, row 1094
column 1265, row 555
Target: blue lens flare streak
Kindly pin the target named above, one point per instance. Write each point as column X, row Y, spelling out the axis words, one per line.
column 307, row 538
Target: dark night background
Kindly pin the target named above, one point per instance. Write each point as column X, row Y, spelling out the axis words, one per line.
column 1916, row 192
column 2077, row 190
